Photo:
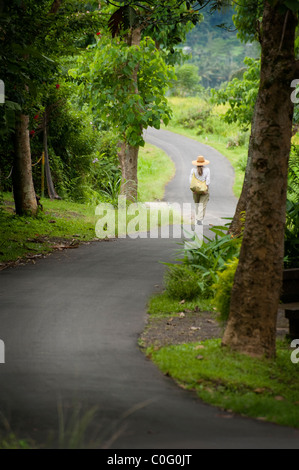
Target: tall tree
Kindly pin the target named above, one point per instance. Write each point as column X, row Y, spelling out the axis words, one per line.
column 33, row 35
column 255, row 296
column 166, row 23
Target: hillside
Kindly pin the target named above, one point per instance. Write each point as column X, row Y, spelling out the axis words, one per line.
column 216, row 51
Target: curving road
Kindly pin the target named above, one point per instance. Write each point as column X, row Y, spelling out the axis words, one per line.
column 71, row 322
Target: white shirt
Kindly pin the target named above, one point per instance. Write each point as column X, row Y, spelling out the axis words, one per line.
column 204, row 177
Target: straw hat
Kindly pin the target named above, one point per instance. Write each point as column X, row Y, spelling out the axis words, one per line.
column 200, row 161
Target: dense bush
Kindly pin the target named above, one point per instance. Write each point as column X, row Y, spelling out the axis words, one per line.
column 293, row 175
column 182, row 282
column 200, row 265
column 195, row 118
column 223, row 287
column 291, row 240
column 82, row 159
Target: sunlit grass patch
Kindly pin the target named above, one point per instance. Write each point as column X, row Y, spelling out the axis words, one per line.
column 155, row 170
column 260, row 388
column 162, row 305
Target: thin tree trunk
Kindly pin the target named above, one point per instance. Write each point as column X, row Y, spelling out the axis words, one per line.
column 128, row 157
column 50, row 185
column 251, row 326
column 23, row 188
column 128, row 154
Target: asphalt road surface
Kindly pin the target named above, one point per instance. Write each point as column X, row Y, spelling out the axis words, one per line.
column 71, row 322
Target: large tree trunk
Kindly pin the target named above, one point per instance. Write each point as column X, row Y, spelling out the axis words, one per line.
column 255, row 295
column 128, row 154
column 23, row 189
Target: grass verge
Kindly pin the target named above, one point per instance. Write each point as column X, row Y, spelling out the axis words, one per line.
column 65, row 224
column 155, row 170
column 162, row 305
column 259, row 388
column 61, row 224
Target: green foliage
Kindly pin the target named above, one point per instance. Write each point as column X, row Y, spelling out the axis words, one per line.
column 212, row 256
column 1, row 203
column 198, row 270
column 238, row 140
column 248, row 14
column 240, row 94
column 162, row 305
column 293, row 175
column 11, row 441
column 153, row 165
column 107, row 73
column 182, row 282
column 112, row 191
column 291, row 240
column 165, row 22
column 82, row 159
column 60, row 223
column 223, row 288
column 73, row 427
column 195, row 119
column 34, row 35
column 217, row 51
column 242, row 162
column 187, row 82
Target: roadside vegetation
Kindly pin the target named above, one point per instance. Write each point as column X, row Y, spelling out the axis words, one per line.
column 64, row 224
column 201, row 280
column 260, row 388
column 78, row 127
column 197, row 287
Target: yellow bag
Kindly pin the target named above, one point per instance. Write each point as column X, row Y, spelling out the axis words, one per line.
column 197, row 186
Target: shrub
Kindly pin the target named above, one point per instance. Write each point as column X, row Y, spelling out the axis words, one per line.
column 194, row 118
column 242, row 162
column 196, row 273
column 291, row 238
column 238, row 140
column 212, row 256
column 181, row 282
column 293, row 175
column 223, row 289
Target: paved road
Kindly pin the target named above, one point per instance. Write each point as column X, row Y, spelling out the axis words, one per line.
column 71, row 323
column 183, row 150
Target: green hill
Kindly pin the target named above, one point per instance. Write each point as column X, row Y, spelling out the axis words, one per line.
column 216, row 51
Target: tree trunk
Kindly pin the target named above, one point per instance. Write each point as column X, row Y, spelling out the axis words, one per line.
column 237, row 223
column 128, row 154
column 255, row 295
column 23, row 189
column 50, row 185
column 128, row 157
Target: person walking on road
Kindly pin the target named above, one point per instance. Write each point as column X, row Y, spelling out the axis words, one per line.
column 199, row 184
